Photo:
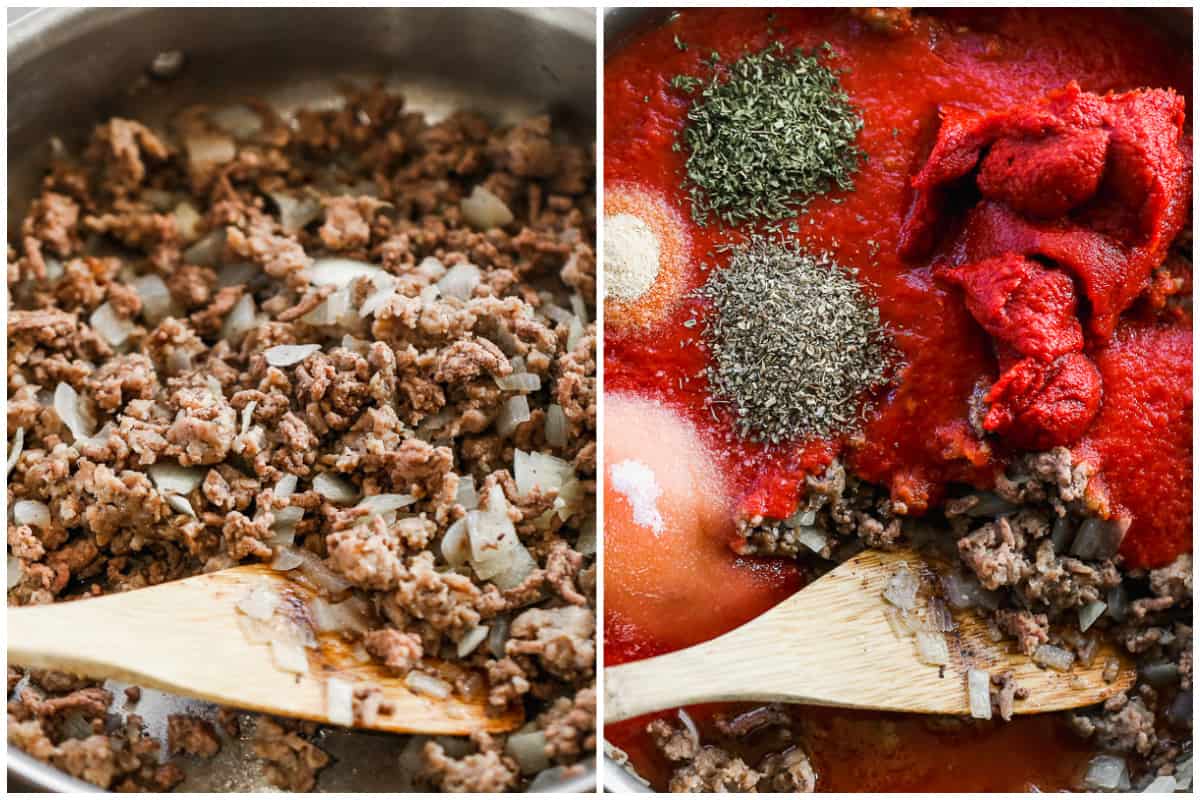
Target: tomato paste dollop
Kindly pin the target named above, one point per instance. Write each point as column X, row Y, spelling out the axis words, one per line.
column 1076, row 193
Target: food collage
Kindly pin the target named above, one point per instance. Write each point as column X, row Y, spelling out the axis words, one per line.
column 600, row 399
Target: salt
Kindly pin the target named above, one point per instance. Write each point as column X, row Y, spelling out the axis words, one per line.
column 636, row 481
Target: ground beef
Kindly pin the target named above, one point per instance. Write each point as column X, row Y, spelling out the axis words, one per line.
column 401, row 400
column 292, row 762
column 715, row 770
column 1019, row 546
column 789, row 771
column 485, row 771
column 399, row 651
column 192, row 735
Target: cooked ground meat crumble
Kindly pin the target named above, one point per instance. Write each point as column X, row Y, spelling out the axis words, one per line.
column 1032, row 555
column 443, row 274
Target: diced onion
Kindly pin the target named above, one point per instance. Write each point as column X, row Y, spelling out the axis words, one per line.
column 1106, row 773
column 514, row 412
column 241, row 318
column 339, row 702
column 69, row 407
column 289, row 656
column 181, row 504
column 901, row 626
column 460, row 281
column 348, row 616
column 586, row 543
column 31, row 512
column 521, row 566
column 429, row 295
column 901, row 589
column 471, row 640
column 383, row 503
column 556, row 426
column 456, row 545
column 1099, row 538
column 187, row 221
column 295, row 212
column 286, row 558
column 248, row 415
column 557, row 314
column 812, row 538
column 1056, row 658
column 1089, row 613
column 207, row 150
column 239, row 273
column 990, row 505
column 237, row 120
column 421, row 683
column 519, row 382
column 259, row 603
column 287, row 517
column 14, row 571
column 156, row 298
column 689, row 724
column 334, row 488
column 483, row 210
column 938, row 617
column 321, row 574
column 333, row 310
column 979, row 695
column 548, row 780
column 529, row 751
column 385, row 290
column 466, row 495
column 574, row 334
column 932, row 649
column 14, row 452
column 498, row 637
column 171, row 478
column 341, row 272
column 1162, row 784
column 285, row 355
column 579, row 307
column 207, row 251
column 114, row 328
column 540, row 471
column 285, row 487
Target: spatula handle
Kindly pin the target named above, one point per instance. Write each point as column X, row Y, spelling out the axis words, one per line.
column 700, row 674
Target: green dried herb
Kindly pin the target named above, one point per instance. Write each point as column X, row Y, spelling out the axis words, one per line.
column 765, row 134
column 796, row 343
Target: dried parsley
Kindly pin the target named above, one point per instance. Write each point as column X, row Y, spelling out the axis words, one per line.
column 795, row 342
column 765, row 134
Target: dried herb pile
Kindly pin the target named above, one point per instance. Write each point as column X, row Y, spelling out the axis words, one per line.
column 765, row 134
column 796, row 342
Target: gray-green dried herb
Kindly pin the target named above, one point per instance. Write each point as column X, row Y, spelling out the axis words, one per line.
column 765, row 134
column 796, row 343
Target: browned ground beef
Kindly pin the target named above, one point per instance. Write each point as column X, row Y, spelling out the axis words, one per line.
column 152, row 275
column 1036, row 550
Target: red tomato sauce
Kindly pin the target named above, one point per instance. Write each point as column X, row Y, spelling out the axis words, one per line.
column 916, row 439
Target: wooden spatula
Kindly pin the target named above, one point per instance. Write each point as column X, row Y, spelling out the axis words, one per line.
column 832, row 645
column 184, row 637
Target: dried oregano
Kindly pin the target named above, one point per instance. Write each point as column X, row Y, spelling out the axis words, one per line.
column 795, row 342
column 765, row 134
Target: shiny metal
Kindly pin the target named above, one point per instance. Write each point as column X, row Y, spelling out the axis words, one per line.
column 617, row 23
column 68, row 68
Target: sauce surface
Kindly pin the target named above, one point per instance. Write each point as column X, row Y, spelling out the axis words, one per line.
column 916, row 439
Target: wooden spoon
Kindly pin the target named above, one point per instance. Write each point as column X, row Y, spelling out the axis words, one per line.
column 184, row 637
column 831, row 645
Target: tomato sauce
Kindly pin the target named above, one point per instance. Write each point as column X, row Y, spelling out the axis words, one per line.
column 916, row 439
